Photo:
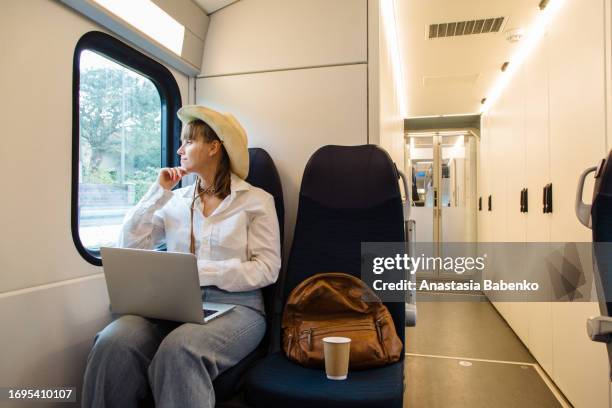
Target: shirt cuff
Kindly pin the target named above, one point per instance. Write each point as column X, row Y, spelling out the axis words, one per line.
column 157, row 196
column 208, row 273
column 215, row 272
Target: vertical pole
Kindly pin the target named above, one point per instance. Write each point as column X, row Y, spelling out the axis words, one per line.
column 122, row 173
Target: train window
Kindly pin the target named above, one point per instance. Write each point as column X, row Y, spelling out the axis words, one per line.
column 124, row 130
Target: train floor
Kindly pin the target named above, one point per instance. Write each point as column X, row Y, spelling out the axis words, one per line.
column 464, row 354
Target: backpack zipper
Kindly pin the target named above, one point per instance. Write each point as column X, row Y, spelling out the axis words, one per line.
column 290, row 337
column 380, row 336
column 309, row 333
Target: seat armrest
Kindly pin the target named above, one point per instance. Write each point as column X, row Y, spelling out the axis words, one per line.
column 411, row 314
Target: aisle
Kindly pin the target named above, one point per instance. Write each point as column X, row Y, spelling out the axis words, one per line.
column 463, row 354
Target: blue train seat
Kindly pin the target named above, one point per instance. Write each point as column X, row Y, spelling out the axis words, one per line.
column 262, row 174
column 349, row 195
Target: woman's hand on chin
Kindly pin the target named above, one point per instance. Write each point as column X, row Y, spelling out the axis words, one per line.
column 170, row 176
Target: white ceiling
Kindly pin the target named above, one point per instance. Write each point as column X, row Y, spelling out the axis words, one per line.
column 446, row 76
column 210, row 6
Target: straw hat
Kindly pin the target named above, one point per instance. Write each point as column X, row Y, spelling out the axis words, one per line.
column 228, row 129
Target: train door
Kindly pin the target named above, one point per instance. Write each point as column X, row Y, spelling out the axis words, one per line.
column 442, row 166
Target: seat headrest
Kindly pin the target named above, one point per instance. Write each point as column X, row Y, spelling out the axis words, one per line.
column 350, row 177
column 263, row 174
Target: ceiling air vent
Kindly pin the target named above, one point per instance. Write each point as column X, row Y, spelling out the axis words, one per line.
column 485, row 25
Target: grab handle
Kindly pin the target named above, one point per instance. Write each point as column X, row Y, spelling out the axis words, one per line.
column 410, row 231
column 406, row 191
column 583, row 211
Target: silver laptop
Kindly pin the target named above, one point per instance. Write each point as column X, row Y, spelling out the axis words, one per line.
column 161, row 285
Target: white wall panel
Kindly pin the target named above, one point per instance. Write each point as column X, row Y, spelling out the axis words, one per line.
column 537, row 174
column 261, row 35
column 187, row 13
column 577, row 108
column 498, row 138
column 193, row 48
column 483, row 179
column 36, row 147
column 195, row 21
column 539, row 316
column 580, row 366
column 577, row 141
column 293, row 113
column 386, row 121
column 37, row 247
column 537, row 146
column 514, row 160
column 47, row 333
column 47, row 330
column 565, row 132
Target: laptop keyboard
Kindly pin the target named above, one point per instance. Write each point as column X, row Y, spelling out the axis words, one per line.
column 208, row 312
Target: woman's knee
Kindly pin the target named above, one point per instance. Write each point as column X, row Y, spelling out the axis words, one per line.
column 125, row 335
column 188, row 348
column 218, row 343
column 175, row 345
column 118, row 360
column 250, row 332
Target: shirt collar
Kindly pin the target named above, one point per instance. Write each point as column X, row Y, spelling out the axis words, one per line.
column 236, row 184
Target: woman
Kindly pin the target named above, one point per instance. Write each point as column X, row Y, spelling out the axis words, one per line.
column 232, row 228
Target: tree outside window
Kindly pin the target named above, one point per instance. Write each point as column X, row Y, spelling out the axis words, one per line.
column 119, row 146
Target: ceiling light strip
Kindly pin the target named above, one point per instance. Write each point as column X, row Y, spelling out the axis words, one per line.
column 444, row 116
column 525, row 48
column 150, row 19
column 439, row 133
column 390, row 25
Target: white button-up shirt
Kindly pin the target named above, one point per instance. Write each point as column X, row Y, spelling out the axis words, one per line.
column 237, row 246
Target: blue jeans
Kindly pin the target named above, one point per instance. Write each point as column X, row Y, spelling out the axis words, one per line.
column 177, row 362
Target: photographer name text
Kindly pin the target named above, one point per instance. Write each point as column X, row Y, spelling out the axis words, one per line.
column 487, row 284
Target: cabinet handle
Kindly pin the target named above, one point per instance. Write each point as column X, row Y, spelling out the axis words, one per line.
column 523, row 200
column 544, row 199
column 480, row 203
column 490, row 203
column 526, row 200
column 547, row 198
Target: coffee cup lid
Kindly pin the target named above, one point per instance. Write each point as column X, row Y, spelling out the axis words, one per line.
column 337, row 340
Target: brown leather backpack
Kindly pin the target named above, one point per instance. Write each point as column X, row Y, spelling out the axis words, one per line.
column 337, row 304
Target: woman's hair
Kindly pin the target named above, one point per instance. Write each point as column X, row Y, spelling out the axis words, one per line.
column 199, row 130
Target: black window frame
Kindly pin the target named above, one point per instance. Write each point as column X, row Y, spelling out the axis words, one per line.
column 170, row 96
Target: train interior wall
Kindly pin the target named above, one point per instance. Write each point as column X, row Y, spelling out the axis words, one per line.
column 547, row 127
column 298, row 77
column 52, row 302
column 316, row 73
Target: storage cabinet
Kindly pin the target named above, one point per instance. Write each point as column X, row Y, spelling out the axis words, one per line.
column 577, row 108
column 514, row 162
column 484, row 177
column 577, row 141
column 498, row 172
column 548, row 126
column 537, row 136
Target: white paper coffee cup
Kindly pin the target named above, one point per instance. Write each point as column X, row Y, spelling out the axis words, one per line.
column 336, row 351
